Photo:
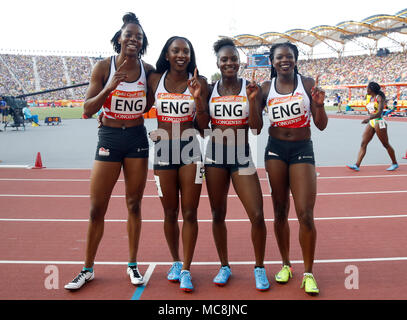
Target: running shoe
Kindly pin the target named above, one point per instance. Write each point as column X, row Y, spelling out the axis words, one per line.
column 223, row 276
column 353, row 167
column 185, row 281
column 83, row 277
column 284, row 274
column 262, row 284
column 174, row 272
column 309, row 283
column 135, row 276
column 393, row 167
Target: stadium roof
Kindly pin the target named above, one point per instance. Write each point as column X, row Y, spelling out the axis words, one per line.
column 373, row 27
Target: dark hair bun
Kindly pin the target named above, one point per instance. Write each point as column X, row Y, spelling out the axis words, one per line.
column 130, row 17
column 222, row 43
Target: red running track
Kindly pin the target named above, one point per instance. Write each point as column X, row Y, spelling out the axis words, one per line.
column 361, row 220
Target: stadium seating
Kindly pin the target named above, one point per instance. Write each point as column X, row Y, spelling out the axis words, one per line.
column 351, row 70
column 21, row 74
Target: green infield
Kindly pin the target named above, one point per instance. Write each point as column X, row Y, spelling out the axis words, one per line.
column 63, row 112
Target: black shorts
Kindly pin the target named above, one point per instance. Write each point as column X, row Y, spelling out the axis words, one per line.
column 4, row 112
column 290, row 152
column 115, row 144
column 229, row 157
column 173, row 154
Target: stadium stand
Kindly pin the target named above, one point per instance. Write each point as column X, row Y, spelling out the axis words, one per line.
column 21, row 74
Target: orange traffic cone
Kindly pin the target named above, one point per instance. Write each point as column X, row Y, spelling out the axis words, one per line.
column 38, row 162
column 405, row 157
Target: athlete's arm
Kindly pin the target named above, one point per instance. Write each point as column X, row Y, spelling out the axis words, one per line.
column 265, row 88
column 317, row 97
column 97, row 93
column 255, row 98
column 151, row 85
column 199, row 90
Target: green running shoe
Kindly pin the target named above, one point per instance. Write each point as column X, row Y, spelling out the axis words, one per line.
column 309, row 283
column 284, row 275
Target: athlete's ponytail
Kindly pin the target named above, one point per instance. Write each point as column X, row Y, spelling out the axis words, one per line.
column 375, row 87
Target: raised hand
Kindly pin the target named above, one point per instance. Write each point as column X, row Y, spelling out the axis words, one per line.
column 118, row 76
column 318, row 95
column 194, row 85
column 252, row 88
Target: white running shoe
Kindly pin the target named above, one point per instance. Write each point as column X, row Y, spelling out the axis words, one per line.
column 80, row 280
column 135, row 276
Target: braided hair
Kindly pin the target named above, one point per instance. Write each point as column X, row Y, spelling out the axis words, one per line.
column 163, row 64
column 129, row 18
column 273, row 48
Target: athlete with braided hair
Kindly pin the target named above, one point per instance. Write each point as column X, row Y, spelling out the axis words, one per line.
column 375, row 125
column 180, row 96
column 292, row 100
column 118, row 85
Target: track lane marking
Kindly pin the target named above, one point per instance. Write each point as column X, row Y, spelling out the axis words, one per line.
column 202, row 196
column 152, row 180
column 393, row 216
column 204, row 263
column 140, row 289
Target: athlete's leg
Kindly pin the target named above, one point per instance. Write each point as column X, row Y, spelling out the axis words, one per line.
column 190, row 194
column 277, row 171
column 103, row 178
column 384, row 139
column 303, row 189
column 366, row 138
column 135, row 176
column 217, row 183
column 248, row 189
column 168, row 180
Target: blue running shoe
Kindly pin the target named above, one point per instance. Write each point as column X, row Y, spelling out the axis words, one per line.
column 185, row 281
column 174, row 272
column 353, row 167
column 262, row 283
column 393, row 167
column 223, row 276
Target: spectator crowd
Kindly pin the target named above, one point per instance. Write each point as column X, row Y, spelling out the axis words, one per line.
column 350, row 70
column 20, row 74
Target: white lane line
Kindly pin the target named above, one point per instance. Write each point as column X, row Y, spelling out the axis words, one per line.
column 152, row 180
column 140, row 289
column 394, row 216
column 203, row 263
column 352, row 193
